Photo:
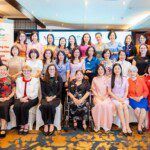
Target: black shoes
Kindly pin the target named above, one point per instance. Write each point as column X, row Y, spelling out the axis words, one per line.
column 2, row 133
column 23, row 131
column 48, row 132
column 129, row 133
column 139, row 131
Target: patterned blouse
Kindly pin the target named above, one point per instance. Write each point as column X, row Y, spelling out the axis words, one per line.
column 6, row 86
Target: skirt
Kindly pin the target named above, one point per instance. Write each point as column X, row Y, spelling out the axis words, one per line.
column 143, row 103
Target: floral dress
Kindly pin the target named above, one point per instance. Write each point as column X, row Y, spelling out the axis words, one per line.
column 81, row 111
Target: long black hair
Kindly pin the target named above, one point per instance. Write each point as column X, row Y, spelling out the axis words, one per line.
column 132, row 43
column 60, row 40
column 52, row 38
column 113, row 76
column 75, row 42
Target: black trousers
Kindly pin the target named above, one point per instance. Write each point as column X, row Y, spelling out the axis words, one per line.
column 48, row 110
column 4, row 109
column 22, row 110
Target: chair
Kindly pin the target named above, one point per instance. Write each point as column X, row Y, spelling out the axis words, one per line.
column 57, row 119
column 31, row 120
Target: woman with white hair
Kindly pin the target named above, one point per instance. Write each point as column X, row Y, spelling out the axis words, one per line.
column 138, row 93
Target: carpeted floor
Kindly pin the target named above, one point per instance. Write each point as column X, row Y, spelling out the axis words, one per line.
column 70, row 140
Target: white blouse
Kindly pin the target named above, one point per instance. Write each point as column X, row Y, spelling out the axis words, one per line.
column 32, row 88
column 35, row 65
column 125, row 67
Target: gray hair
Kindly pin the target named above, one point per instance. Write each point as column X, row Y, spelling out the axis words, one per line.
column 133, row 69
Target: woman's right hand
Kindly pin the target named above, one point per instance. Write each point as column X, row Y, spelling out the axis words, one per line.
column 24, row 99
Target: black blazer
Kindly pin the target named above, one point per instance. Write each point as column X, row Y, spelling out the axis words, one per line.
column 52, row 88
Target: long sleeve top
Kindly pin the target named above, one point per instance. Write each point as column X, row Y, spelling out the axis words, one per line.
column 137, row 88
column 32, row 88
column 52, row 88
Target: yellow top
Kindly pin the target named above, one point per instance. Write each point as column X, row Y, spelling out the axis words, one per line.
column 52, row 47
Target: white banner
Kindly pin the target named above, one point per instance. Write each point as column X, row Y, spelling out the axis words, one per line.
column 6, row 38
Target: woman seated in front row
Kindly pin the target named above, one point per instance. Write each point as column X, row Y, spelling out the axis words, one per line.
column 26, row 98
column 118, row 89
column 138, row 93
column 102, row 111
column 51, row 97
column 7, row 90
column 78, row 92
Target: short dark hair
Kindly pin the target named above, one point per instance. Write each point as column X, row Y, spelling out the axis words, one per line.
column 110, row 32
column 34, row 32
column 98, row 33
column 120, row 53
column 87, row 51
column 101, row 65
column 105, row 51
column 13, row 48
column 34, row 51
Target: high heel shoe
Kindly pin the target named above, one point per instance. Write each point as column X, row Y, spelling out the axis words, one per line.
column 46, row 133
column 129, row 133
column 139, row 131
column 52, row 132
column 20, row 131
column 2, row 135
column 125, row 134
column 25, row 131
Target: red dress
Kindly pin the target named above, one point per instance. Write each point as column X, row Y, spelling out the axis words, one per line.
column 147, row 80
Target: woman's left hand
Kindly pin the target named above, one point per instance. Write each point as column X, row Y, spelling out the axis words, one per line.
column 66, row 84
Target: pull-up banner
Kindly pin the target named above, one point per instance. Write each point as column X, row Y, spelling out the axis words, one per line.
column 6, row 38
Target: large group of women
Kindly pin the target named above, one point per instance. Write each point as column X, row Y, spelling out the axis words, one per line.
column 117, row 77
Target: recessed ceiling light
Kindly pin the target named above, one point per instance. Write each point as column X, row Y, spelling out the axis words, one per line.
column 86, row 2
column 124, row 2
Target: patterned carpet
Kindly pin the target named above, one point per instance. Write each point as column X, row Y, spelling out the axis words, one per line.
column 77, row 140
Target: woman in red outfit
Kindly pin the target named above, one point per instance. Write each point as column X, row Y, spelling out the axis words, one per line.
column 147, row 80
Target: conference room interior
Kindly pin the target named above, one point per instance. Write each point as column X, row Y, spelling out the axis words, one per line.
column 63, row 18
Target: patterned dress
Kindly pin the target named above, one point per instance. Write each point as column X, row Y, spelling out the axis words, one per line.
column 81, row 111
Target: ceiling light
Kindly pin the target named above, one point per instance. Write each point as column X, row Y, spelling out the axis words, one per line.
column 124, row 2
column 85, row 2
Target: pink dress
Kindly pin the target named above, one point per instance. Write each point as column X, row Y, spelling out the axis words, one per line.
column 83, row 49
column 119, row 90
column 102, row 112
